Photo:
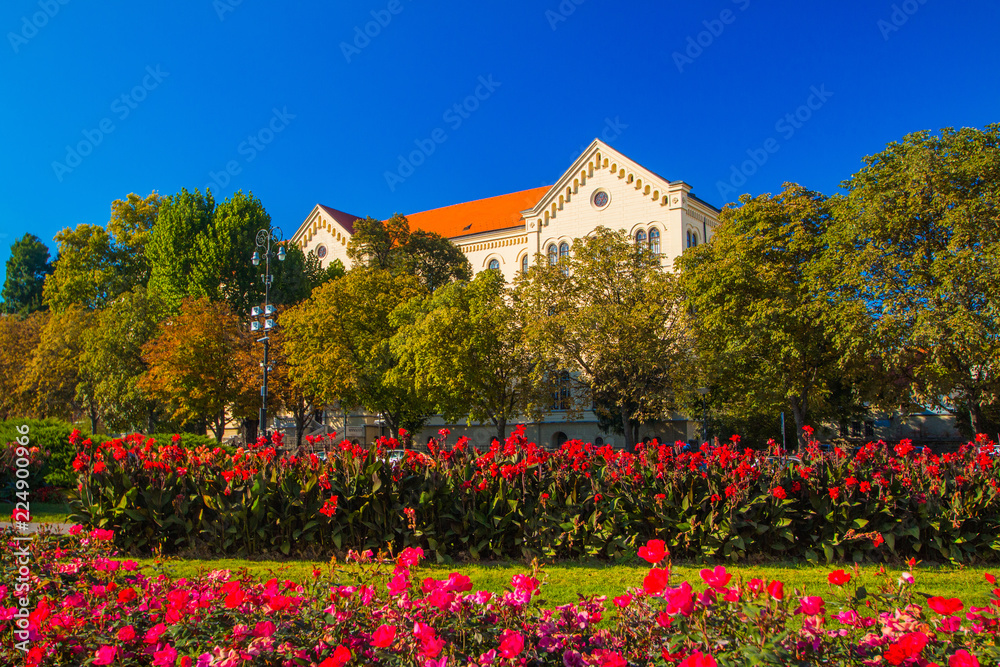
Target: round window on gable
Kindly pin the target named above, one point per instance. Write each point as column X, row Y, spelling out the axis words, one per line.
column 601, row 199
column 321, row 251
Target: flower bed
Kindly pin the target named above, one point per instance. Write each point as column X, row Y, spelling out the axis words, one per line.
column 517, row 500
column 91, row 607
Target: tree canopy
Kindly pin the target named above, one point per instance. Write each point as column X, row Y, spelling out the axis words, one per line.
column 611, row 316
column 27, row 268
column 338, row 345
column 919, row 238
column 391, row 246
column 465, row 349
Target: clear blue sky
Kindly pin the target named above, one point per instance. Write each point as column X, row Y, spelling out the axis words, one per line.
column 224, row 68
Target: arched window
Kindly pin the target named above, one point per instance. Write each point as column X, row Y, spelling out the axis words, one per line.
column 495, row 264
column 692, row 239
column 524, row 263
column 640, row 237
column 654, row 241
column 553, row 254
column 563, row 252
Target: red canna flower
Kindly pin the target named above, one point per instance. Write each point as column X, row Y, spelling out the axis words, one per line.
column 779, row 493
column 330, row 506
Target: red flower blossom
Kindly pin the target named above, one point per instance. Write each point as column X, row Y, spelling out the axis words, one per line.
column 834, row 492
column 341, row 656
column 945, row 606
column 511, row 644
column 716, row 578
column 779, row 493
column 653, row 552
column 878, row 540
column 838, row 578
column 963, row 658
column 909, row 647
column 699, row 659
column 655, row 581
column 384, row 636
column 330, row 506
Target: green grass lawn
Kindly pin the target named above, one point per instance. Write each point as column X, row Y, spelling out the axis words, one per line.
column 567, row 580
column 40, row 512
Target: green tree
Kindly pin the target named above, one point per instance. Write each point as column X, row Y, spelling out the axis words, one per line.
column 764, row 325
column 918, row 237
column 610, row 316
column 196, row 365
column 172, row 248
column 338, row 346
column 27, row 268
column 465, row 348
column 112, row 356
column 316, row 274
column 390, row 245
column 96, row 264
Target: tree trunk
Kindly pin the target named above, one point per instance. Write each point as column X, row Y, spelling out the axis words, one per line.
column 249, row 429
column 799, row 415
column 93, row 420
column 976, row 415
column 151, row 421
column 502, row 429
column 300, row 422
column 219, row 427
column 627, row 429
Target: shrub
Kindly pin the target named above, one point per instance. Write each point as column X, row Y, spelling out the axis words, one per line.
column 91, row 607
column 517, row 500
column 51, row 436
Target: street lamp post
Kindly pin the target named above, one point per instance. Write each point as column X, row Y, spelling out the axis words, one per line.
column 263, row 316
column 704, row 412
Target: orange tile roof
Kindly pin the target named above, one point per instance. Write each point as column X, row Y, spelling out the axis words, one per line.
column 475, row 217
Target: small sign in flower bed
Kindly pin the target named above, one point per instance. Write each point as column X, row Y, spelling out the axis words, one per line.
column 89, row 606
column 518, row 500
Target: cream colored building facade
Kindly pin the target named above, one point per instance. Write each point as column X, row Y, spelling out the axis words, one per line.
column 602, row 188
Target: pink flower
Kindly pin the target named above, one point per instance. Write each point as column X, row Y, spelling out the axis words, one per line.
column 165, row 657
column 153, row 634
column 410, row 556
column 126, row 634
column 76, row 530
column 341, row 656
column 962, row 658
column 653, row 552
column 776, row 590
column 398, row 584
column 716, row 578
column 945, row 606
column 264, row 629
column 384, row 636
column 909, row 647
column 511, row 644
column 699, row 660
column 105, row 655
column 656, row 581
column 810, row 605
column 458, row 583
column 102, row 535
column 610, row 658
